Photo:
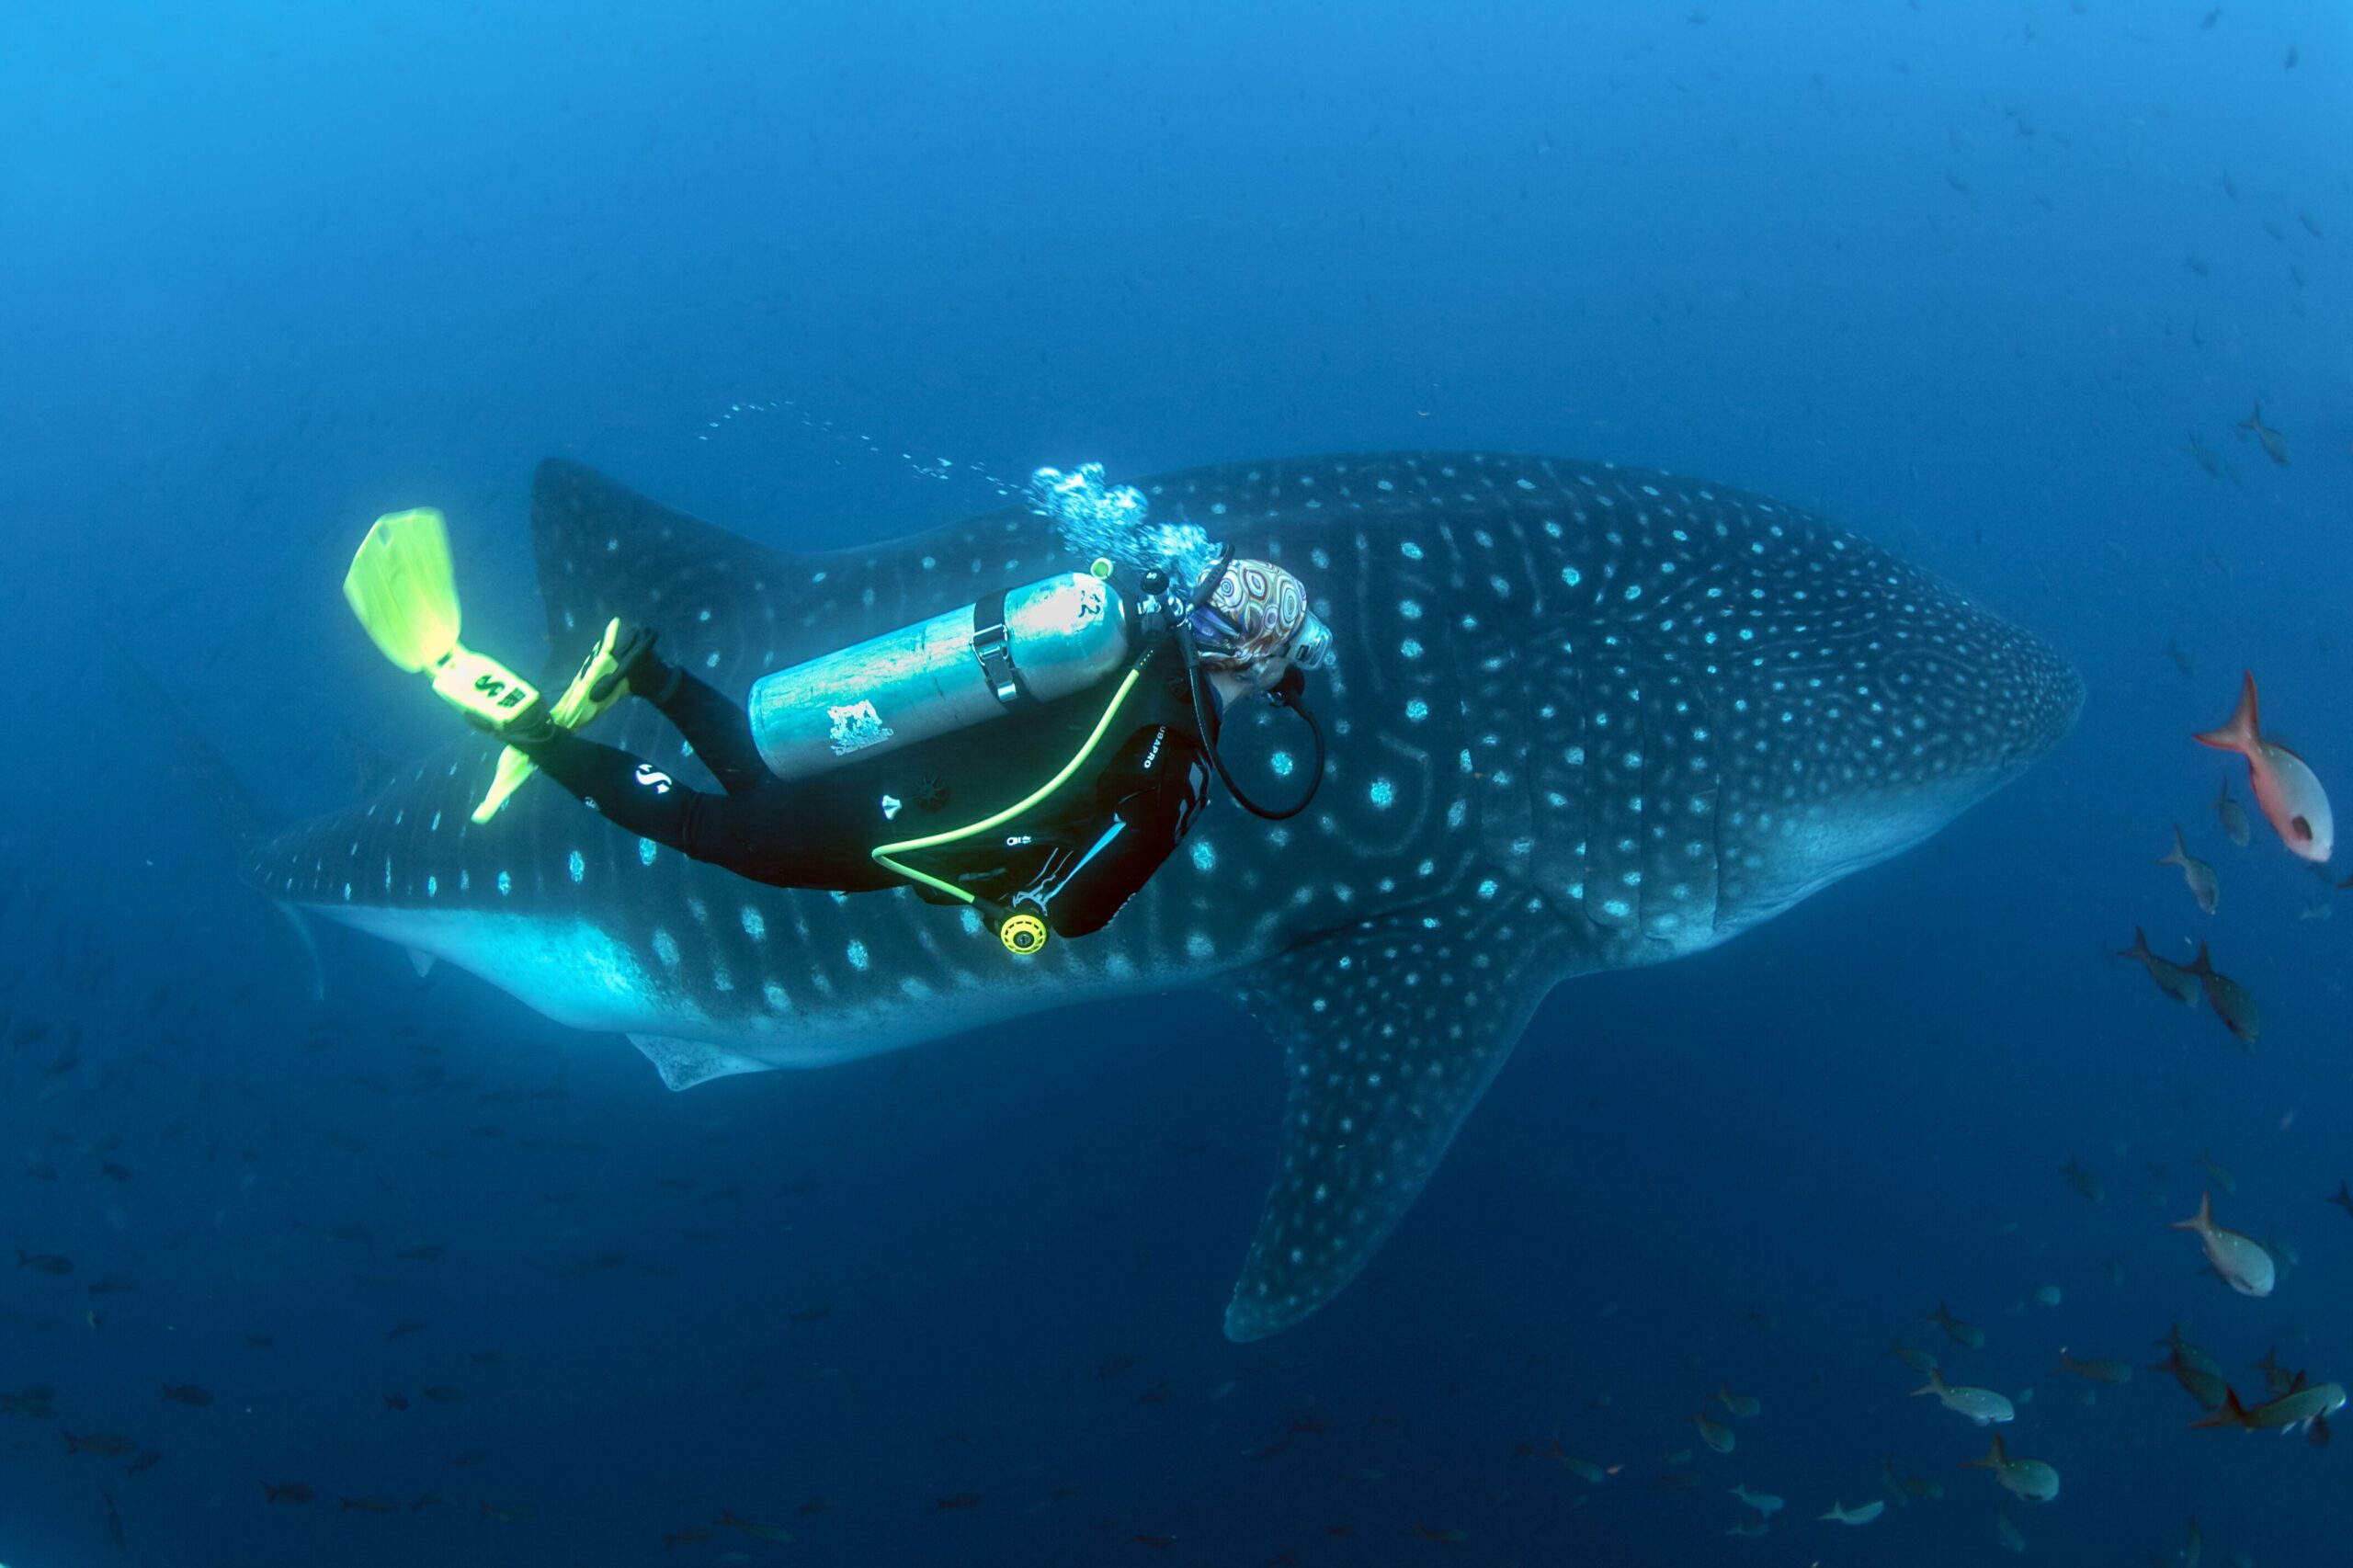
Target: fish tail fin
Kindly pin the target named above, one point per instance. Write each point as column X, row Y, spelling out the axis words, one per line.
column 2140, row 948
column 1995, row 1455
column 2317, row 1431
column 2202, row 966
column 2243, row 730
column 2201, row 1221
column 73, row 1443
column 2231, row 1413
column 2180, row 854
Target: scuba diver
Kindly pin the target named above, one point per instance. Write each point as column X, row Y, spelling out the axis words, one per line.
column 974, row 756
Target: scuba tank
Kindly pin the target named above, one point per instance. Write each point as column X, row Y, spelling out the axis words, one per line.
column 1048, row 640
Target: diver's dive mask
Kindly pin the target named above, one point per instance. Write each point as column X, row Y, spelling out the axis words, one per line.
column 1252, row 624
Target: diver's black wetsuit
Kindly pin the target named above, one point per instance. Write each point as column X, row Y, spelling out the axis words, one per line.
column 1082, row 855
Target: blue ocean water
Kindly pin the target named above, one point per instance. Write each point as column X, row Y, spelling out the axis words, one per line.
column 1976, row 281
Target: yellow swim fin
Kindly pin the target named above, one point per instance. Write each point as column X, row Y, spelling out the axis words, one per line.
column 403, row 591
column 576, row 707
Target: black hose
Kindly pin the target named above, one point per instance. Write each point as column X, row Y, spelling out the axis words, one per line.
column 1286, row 695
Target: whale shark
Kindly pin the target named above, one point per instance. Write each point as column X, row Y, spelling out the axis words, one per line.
column 1582, row 717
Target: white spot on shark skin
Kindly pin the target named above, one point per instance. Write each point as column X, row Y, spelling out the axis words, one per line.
column 505, row 885
column 1204, row 855
column 858, row 958
column 647, row 850
column 665, row 947
column 755, row 925
column 1383, row 794
column 578, row 866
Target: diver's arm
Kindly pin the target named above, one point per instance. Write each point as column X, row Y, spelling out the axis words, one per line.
column 1153, row 790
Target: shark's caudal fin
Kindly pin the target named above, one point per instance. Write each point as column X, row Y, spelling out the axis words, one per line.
column 1391, row 1032
column 197, row 768
column 199, row 771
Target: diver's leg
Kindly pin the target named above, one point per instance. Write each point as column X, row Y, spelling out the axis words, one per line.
column 718, row 728
column 715, row 726
column 778, row 834
column 631, row 794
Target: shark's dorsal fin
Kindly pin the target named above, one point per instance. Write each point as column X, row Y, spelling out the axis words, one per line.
column 1391, row 1030
column 605, row 551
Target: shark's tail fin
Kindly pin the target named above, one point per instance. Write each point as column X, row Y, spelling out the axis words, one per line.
column 198, row 770
column 194, row 763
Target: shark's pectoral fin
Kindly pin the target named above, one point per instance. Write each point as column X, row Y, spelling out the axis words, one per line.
column 1391, row 1031
column 683, row 1064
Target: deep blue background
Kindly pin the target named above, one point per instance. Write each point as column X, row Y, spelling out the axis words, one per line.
column 1963, row 276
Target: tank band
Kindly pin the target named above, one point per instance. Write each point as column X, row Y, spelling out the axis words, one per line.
column 992, row 647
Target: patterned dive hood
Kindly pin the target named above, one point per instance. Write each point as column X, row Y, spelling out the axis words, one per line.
column 1255, row 624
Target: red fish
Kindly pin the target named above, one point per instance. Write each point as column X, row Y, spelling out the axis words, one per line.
column 2285, row 786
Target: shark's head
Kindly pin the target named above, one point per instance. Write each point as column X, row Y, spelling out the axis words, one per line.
column 1876, row 704
column 1580, row 716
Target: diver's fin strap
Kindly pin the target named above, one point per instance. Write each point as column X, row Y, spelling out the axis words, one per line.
column 481, row 687
column 992, row 645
